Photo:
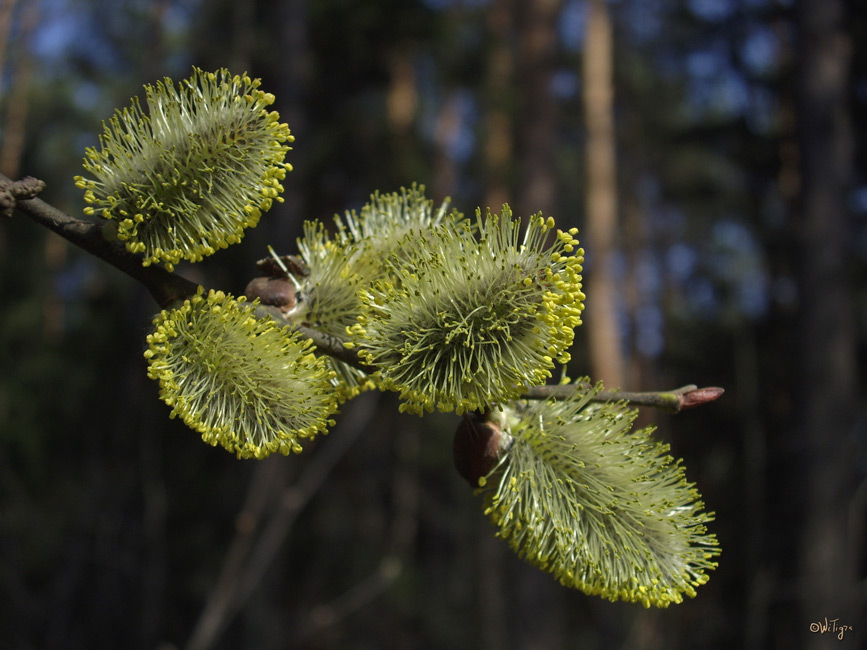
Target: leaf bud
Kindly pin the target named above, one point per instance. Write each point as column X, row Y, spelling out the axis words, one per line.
column 476, row 447
column 276, row 292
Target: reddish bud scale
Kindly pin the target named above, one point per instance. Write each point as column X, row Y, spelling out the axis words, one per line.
column 700, row 396
column 275, row 292
column 476, row 448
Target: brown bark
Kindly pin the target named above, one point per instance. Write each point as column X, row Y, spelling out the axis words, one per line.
column 7, row 10
column 827, row 326
column 17, row 100
column 537, row 128
column 401, row 100
column 499, row 143
column 539, row 112
column 293, row 77
column 445, row 171
column 606, row 357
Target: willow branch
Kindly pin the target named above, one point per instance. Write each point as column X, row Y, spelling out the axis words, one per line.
column 671, row 401
column 167, row 287
column 164, row 286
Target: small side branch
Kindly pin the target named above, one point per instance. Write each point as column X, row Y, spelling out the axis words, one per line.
column 13, row 191
column 672, row 401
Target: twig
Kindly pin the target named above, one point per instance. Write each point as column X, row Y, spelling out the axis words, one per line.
column 219, row 606
column 329, row 615
column 240, row 577
column 672, row 401
column 326, row 618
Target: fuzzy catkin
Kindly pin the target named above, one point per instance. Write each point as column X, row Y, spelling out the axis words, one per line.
column 243, row 382
column 602, row 507
column 476, row 313
column 190, row 172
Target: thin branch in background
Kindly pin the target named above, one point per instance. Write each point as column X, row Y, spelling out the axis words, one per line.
column 328, row 615
column 401, row 538
column 214, row 617
column 250, row 556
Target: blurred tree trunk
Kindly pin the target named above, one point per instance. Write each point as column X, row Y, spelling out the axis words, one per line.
column 827, row 329
column 637, row 371
column 606, row 357
column 538, row 47
column 536, row 23
column 499, row 143
column 7, row 10
column 154, row 494
column 401, row 109
column 772, row 474
column 292, row 74
column 498, row 151
column 244, row 30
column 17, row 99
column 446, row 132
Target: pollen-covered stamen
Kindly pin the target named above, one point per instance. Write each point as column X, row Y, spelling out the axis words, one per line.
column 188, row 175
column 388, row 215
column 602, row 507
column 470, row 321
column 366, row 248
column 381, row 227
column 242, row 382
column 328, row 297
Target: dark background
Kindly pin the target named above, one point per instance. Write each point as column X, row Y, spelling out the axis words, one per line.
column 739, row 259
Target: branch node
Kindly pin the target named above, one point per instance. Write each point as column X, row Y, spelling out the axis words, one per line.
column 13, row 191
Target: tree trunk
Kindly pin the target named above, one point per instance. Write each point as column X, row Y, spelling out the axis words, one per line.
column 7, row 11
column 543, row 610
column 499, row 143
column 293, row 74
column 17, row 100
column 538, row 115
column 827, row 331
column 606, row 357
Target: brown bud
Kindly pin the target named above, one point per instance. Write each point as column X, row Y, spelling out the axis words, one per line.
column 276, row 292
column 699, row 396
column 476, row 448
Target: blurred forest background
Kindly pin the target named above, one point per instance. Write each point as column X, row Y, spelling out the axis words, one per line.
column 721, row 193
